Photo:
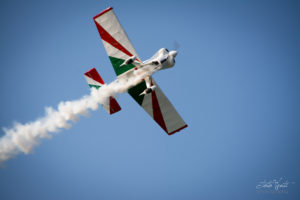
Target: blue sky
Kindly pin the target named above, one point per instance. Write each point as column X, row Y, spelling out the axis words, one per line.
column 235, row 83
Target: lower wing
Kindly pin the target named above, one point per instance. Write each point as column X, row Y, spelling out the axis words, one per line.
column 157, row 105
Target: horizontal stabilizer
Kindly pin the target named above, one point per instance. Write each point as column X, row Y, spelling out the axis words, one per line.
column 94, row 80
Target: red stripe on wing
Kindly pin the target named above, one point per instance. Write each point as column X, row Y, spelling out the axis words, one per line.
column 108, row 38
column 157, row 115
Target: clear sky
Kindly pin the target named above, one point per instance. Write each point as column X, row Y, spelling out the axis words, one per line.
column 236, row 84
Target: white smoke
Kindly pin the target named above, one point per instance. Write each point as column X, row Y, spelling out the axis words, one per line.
column 24, row 137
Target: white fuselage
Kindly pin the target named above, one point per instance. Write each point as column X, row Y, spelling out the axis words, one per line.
column 162, row 59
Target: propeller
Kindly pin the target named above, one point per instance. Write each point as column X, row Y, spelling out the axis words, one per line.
column 176, row 45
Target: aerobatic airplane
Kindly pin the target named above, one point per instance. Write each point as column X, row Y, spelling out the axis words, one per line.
column 127, row 63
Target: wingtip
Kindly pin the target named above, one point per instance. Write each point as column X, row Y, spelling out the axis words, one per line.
column 104, row 11
column 178, row 130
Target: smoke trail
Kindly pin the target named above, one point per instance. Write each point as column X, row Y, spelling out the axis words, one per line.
column 24, row 137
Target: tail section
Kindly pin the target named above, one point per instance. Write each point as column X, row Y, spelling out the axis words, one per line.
column 94, row 80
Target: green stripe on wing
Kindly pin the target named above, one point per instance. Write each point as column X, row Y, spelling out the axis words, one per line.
column 116, row 62
column 136, row 91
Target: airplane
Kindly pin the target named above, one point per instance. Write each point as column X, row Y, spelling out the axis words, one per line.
column 126, row 63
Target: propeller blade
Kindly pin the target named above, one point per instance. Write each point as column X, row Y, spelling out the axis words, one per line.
column 176, row 45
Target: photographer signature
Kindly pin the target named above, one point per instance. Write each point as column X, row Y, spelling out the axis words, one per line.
column 274, row 184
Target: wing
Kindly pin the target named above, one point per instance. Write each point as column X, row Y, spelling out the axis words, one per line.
column 157, row 105
column 115, row 40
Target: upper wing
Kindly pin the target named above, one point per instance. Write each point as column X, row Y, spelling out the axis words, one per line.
column 115, row 40
column 157, row 105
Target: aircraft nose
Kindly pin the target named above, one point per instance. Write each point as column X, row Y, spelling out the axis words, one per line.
column 173, row 53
